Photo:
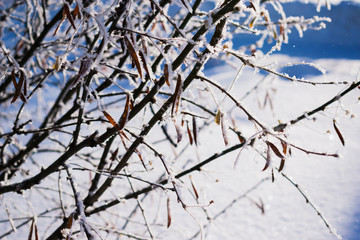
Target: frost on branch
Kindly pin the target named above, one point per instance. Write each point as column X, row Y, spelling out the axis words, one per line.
column 86, row 85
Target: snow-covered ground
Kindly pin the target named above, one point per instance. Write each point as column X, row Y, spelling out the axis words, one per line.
column 332, row 184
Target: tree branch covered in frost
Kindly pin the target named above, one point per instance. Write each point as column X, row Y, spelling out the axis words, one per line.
column 114, row 94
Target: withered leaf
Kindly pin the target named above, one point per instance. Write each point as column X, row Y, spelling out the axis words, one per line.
column 275, row 149
column 189, row 133
column 111, row 120
column 251, row 25
column 193, row 187
column 178, row 131
column 168, row 212
column 114, row 154
column 281, row 30
column 194, row 130
column 31, row 229
column 282, row 164
column 69, row 224
column 124, row 116
column 147, row 69
column 268, row 158
column 61, row 21
column 122, row 133
column 259, row 205
column 76, row 12
column 133, row 55
column 36, row 232
column 68, row 15
column 338, row 133
column 141, row 159
column 284, row 146
column 177, row 94
column 218, row 117
column 18, row 87
column 166, row 74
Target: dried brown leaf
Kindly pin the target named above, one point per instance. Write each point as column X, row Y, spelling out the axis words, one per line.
column 133, row 55
column 168, row 212
column 36, row 232
column 111, row 120
column 166, row 74
column 69, row 225
column 194, row 130
column 61, row 21
column 114, row 154
column 275, row 149
column 189, row 133
column 268, row 158
column 124, row 116
column 141, row 159
column 76, row 12
column 18, row 87
column 284, row 146
column 282, row 164
column 148, row 75
column 338, row 133
column 193, row 187
column 31, row 229
column 177, row 94
column 251, row 25
column 218, row 117
column 68, row 15
column 178, row 131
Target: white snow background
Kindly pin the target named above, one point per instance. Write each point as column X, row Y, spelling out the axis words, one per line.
column 331, row 184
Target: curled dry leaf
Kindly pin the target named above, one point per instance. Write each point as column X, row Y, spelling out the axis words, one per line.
column 166, row 74
column 31, row 229
column 141, row 159
column 193, row 187
column 218, row 117
column 36, row 232
column 275, row 149
column 194, row 130
column 177, row 94
column 133, row 55
column 111, row 120
column 65, row 14
column 189, row 133
column 76, row 12
column 148, row 75
column 282, row 164
column 178, row 131
column 284, row 146
column 168, row 212
column 68, row 15
column 268, row 158
column 69, row 225
column 114, row 154
column 18, row 86
column 338, row 133
column 125, row 115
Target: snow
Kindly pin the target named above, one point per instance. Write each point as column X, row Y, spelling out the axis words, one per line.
column 331, row 184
